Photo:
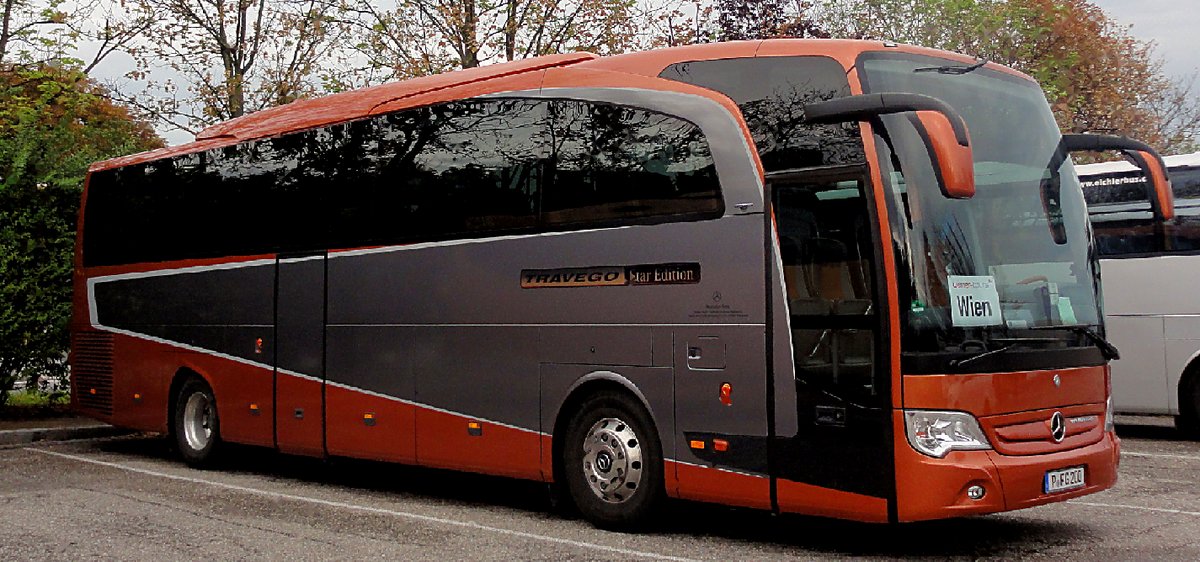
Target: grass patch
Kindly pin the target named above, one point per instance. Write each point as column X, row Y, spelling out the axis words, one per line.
column 35, row 399
column 34, row 405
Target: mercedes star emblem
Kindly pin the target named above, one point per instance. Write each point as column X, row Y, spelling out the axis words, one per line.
column 1058, row 427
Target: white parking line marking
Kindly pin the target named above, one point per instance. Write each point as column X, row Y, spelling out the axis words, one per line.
column 1137, row 507
column 1160, row 456
column 402, row 514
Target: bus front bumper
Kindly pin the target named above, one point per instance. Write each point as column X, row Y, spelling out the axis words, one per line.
column 929, row 488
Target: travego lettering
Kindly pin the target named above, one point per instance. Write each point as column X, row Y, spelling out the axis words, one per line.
column 612, row 276
column 572, row 277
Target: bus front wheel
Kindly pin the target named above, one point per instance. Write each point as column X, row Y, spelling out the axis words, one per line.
column 196, row 426
column 1188, row 420
column 612, row 462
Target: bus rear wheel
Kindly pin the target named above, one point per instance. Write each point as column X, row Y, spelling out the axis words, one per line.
column 196, row 426
column 1188, row 420
column 612, row 462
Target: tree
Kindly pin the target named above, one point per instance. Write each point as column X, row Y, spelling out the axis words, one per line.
column 1097, row 77
column 766, row 19
column 234, row 57
column 679, row 22
column 54, row 121
column 20, row 25
column 421, row 37
column 34, row 32
column 683, row 22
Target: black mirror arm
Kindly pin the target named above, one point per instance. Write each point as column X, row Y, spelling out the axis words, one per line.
column 1100, row 143
column 866, row 106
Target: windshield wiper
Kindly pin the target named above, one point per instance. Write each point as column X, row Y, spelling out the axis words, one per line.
column 951, row 69
column 1107, row 349
column 974, row 358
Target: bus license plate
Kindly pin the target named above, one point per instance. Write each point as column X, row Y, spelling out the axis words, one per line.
column 1064, row 479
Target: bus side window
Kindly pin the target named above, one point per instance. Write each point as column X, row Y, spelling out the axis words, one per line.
column 1183, row 233
column 613, row 164
column 1121, row 219
column 457, row 168
column 1124, row 232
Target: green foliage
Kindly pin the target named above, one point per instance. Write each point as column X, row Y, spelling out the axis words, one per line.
column 36, row 399
column 53, row 123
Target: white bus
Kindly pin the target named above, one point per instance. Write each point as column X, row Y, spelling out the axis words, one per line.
column 1150, row 268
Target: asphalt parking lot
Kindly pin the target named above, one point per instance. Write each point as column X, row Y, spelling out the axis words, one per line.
column 129, row 498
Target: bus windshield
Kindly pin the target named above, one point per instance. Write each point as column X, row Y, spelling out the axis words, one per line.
column 984, row 282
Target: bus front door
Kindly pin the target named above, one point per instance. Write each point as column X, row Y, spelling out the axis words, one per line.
column 300, row 354
column 839, row 460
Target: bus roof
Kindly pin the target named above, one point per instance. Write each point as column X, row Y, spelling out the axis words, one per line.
column 845, row 51
column 345, row 106
column 1117, row 166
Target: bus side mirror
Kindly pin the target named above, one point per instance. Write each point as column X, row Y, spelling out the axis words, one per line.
column 941, row 128
column 1158, row 184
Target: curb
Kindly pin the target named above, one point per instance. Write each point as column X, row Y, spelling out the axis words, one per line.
column 25, row 436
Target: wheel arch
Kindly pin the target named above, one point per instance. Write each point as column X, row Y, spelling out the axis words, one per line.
column 1189, row 374
column 181, row 376
column 583, row 388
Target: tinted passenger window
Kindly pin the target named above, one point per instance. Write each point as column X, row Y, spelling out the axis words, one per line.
column 1122, row 220
column 615, row 163
column 456, row 168
column 462, row 169
column 1183, row 234
column 772, row 92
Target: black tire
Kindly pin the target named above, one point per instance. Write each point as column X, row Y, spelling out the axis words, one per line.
column 613, row 424
column 196, row 425
column 1188, row 420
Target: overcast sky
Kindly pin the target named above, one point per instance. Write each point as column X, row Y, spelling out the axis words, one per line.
column 1172, row 24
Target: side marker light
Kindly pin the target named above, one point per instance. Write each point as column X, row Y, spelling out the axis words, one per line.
column 696, row 444
column 369, row 419
column 720, row 445
column 474, row 429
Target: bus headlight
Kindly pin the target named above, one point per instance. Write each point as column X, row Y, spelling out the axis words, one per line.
column 937, row 433
column 1109, row 424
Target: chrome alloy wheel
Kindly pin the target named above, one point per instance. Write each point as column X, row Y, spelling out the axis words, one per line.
column 612, row 460
column 197, row 421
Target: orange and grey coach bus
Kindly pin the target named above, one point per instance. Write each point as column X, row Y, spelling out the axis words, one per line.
column 843, row 278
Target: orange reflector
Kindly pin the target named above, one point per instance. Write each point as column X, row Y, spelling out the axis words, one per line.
column 254, row 406
column 696, row 444
column 368, row 416
column 726, row 394
column 137, row 396
column 474, row 429
column 720, row 445
column 473, row 425
column 93, row 391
